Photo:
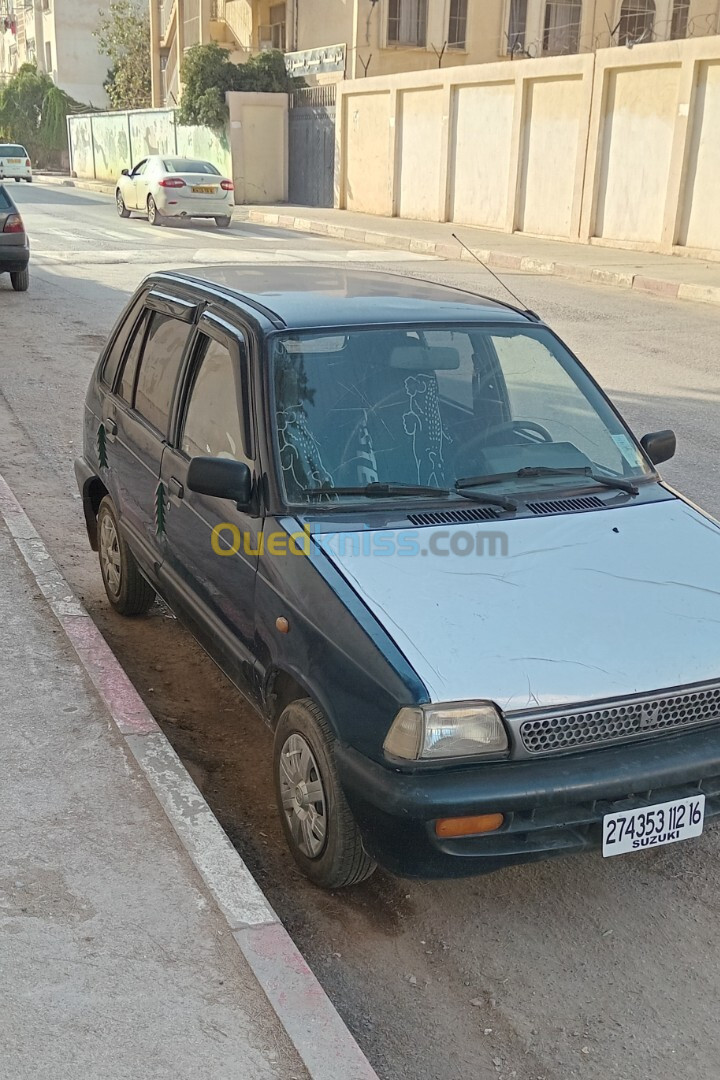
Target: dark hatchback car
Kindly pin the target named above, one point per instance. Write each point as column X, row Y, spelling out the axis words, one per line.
column 414, row 532
column 14, row 246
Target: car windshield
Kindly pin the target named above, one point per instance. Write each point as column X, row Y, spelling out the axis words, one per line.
column 439, row 406
column 13, row 151
column 187, row 165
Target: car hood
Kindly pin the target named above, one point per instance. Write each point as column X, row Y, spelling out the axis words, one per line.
column 582, row 606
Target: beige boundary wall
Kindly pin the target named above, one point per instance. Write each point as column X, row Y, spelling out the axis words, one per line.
column 253, row 149
column 621, row 146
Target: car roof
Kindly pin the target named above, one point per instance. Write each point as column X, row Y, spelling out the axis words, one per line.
column 297, row 297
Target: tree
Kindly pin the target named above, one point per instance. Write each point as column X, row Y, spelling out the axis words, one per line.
column 33, row 111
column 123, row 34
column 207, row 74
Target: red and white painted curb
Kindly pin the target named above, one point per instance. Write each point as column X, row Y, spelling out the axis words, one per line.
column 322, row 1040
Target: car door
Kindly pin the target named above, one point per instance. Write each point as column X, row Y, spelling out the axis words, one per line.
column 211, row 547
column 136, row 420
column 132, row 181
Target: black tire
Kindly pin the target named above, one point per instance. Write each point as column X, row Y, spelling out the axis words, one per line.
column 120, row 205
column 17, row 179
column 20, row 280
column 153, row 212
column 29, row 179
column 131, row 595
column 340, row 860
column 223, row 222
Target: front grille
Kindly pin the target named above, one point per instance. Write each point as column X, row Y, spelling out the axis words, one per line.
column 618, row 721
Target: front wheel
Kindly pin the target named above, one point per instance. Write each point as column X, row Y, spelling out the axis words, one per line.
column 126, row 588
column 20, row 280
column 153, row 212
column 223, row 222
column 120, row 204
column 316, row 819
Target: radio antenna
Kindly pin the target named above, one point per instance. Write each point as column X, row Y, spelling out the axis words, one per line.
column 525, row 310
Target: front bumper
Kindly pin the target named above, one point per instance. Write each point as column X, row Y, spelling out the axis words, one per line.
column 552, row 806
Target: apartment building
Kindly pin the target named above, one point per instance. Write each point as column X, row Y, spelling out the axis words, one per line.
column 57, row 36
column 353, row 38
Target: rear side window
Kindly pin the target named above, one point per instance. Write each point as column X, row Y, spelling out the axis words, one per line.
column 117, row 348
column 164, row 347
column 127, row 379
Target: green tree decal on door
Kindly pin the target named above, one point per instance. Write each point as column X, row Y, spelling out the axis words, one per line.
column 102, row 446
column 161, row 509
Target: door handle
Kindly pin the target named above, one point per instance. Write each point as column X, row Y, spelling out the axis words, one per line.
column 110, row 427
column 175, row 488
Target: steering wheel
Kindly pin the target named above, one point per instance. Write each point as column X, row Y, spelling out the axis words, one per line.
column 528, row 430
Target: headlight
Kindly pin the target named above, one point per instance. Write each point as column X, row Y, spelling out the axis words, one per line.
column 435, row 732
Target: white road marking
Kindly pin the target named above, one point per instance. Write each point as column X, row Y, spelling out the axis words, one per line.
column 301, row 255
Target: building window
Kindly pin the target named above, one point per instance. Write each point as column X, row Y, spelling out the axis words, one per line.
column 277, row 26
column 517, row 26
column 407, row 22
column 272, row 34
column 562, row 27
column 679, row 25
column 457, row 27
column 637, row 22
column 48, row 56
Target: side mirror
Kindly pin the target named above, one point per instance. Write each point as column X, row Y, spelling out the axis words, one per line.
column 659, row 445
column 125, row 172
column 224, row 478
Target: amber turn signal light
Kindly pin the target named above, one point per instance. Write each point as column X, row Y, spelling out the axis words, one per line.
column 467, row 826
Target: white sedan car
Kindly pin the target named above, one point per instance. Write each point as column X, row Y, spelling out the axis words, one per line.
column 15, row 163
column 164, row 187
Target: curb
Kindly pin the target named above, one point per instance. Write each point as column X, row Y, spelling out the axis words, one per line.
column 499, row 260
column 320, row 1037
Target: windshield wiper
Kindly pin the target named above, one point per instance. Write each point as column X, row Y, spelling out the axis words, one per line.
column 543, row 470
column 377, row 490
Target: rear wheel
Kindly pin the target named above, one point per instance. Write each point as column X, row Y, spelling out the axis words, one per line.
column 152, row 211
column 223, row 222
column 120, row 204
column 126, row 588
column 20, row 280
column 29, row 179
column 318, row 824
column 17, row 179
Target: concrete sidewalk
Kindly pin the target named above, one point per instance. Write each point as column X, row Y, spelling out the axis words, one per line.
column 672, row 276
column 134, row 941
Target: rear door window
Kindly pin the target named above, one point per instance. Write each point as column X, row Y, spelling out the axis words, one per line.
column 161, row 359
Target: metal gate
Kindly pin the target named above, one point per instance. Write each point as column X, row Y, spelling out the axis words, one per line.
column 312, row 146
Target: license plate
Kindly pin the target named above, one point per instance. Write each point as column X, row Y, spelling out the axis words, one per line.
column 204, row 190
column 15, row 160
column 653, row 826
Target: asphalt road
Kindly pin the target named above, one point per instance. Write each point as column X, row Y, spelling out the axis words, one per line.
column 577, row 968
